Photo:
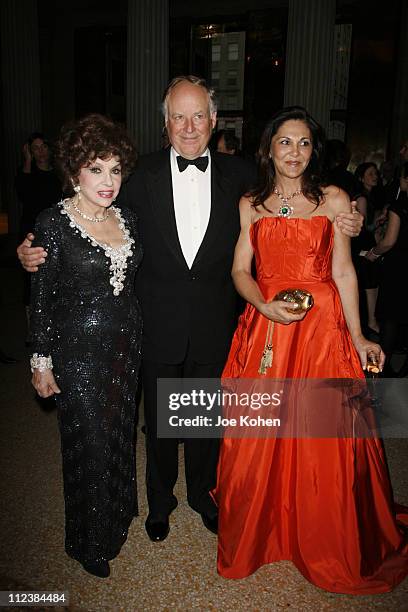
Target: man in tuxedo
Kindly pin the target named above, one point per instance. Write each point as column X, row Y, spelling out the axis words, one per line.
column 187, row 203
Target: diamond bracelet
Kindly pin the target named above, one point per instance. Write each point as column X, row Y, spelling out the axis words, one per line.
column 39, row 362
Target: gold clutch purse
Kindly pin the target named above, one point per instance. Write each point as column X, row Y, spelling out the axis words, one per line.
column 302, row 298
column 304, row 301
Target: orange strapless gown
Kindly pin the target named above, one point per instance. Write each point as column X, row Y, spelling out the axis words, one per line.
column 325, row 504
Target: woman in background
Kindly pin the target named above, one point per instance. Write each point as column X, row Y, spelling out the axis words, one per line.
column 393, row 247
column 38, row 187
column 370, row 203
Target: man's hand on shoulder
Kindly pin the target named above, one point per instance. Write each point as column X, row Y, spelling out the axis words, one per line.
column 29, row 256
column 350, row 223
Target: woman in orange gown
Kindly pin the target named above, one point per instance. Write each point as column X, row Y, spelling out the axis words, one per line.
column 324, row 503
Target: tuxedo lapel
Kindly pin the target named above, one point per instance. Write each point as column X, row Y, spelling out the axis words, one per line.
column 220, row 208
column 159, row 185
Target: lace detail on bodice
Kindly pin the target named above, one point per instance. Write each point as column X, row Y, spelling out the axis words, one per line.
column 118, row 255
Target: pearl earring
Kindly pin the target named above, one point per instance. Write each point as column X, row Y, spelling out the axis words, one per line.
column 77, row 189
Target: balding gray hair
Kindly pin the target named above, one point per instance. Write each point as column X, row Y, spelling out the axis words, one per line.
column 194, row 80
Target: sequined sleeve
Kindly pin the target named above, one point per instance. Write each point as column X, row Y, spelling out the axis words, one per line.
column 44, row 283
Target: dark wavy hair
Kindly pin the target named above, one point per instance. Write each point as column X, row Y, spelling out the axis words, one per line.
column 34, row 135
column 361, row 169
column 337, row 154
column 231, row 141
column 376, row 197
column 80, row 142
column 40, row 136
column 312, row 177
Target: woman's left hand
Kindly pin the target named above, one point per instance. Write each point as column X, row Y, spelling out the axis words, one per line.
column 44, row 383
column 364, row 347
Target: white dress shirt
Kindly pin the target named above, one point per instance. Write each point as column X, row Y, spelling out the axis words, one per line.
column 192, row 204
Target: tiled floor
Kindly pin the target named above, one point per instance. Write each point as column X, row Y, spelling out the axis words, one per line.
column 178, row 574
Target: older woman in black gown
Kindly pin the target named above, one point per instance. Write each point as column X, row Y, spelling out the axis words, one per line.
column 86, row 331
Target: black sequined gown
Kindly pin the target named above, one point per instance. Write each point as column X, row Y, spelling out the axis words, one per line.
column 93, row 337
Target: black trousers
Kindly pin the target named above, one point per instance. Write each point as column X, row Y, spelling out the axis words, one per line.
column 200, row 455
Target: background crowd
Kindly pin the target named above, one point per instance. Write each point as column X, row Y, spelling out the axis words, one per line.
column 380, row 253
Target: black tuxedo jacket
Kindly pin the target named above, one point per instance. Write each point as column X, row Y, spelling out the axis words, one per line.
column 184, row 307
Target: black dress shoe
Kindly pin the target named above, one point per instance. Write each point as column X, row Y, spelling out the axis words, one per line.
column 211, row 522
column 157, row 529
column 97, row 568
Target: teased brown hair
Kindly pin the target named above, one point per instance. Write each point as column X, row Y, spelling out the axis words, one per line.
column 80, row 142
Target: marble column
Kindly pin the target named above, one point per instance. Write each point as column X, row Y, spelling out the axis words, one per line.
column 399, row 127
column 21, row 93
column 147, row 70
column 309, row 56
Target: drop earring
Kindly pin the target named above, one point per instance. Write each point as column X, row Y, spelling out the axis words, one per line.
column 77, row 189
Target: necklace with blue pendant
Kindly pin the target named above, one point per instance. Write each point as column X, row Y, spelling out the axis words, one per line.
column 285, row 209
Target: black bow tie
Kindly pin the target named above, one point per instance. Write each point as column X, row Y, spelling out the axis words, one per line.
column 200, row 162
